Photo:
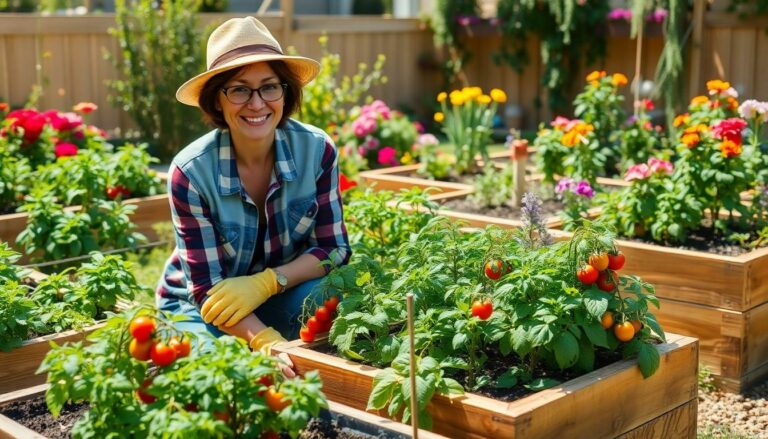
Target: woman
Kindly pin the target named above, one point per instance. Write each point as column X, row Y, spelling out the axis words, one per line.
column 255, row 202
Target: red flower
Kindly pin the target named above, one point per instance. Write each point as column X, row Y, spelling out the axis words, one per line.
column 33, row 126
column 345, row 183
column 85, row 107
column 65, row 149
column 730, row 129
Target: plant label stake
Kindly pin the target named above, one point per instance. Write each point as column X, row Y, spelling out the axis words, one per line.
column 414, row 401
column 519, row 156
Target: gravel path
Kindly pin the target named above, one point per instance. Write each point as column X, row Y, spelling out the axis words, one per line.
column 730, row 415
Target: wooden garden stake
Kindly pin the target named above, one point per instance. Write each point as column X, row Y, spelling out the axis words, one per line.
column 519, row 158
column 414, row 399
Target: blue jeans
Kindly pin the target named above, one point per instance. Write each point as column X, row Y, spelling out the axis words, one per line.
column 281, row 312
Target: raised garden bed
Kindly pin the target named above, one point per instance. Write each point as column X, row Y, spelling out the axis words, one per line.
column 346, row 421
column 614, row 401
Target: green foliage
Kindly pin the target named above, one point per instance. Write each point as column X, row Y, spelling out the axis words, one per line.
column 445, row 28
column 216, row 392
column 569, row 40
column 494, row 186
column 17, row 5
column 160, row 48
column 328, row 99
column 16, row 311
column 670, row 70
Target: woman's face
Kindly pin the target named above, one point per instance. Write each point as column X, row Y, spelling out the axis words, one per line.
column 254, row 120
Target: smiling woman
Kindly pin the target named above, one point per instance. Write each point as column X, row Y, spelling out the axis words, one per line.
column 255, row 202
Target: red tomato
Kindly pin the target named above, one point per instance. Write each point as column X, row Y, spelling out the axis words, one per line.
column 313, row 325
column 306, row 335
column 162, row 354
column 322, row 314
column 142, row 327
column 221, row 415
column 615, row 262
column 145, row 397
column 124, row 191
column 326, row 326
column 140, row 349
column 112, row 192
column 191, row 407
column 482, row 310
column 182, row 347
column 269, row 435
column 587, row 274
column 266, row 381
column 607, row 281
column 332, row 303
column 494, row 269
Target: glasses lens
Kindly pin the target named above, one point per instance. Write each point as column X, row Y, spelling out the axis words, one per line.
column 238, row 95
column 271, row 92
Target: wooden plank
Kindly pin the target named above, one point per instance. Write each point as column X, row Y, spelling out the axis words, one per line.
column 760, row 88
column 386, row 425
column 756, row 286
column 756, row 345
column 680, row 423
column 742, row 61
column 18, row 367
column 577, row 406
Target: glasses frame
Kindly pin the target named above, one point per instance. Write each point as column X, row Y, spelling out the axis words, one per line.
column 225, row 90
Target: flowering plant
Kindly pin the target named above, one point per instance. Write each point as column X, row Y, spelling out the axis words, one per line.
column 570, row 147
column 632, row 210
column 467, row 119
column 494, row 187
column 576, row 196
column 639, row 139
column 433, row 162
column 381, row 136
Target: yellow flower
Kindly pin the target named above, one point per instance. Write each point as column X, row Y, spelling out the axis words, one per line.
column 576, row 134
column 699, row 100
column 457, row 98
column 406, row 159
column 618, row 79
column 483, row 99
column 471, row 92
column 729, row 148
column 717, row 86
column 498, row 95
column 441, row 96
column 595, row 75
column 681, row 119
column 439, row 117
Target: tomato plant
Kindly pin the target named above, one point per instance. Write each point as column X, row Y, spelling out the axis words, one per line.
column 587, row 274
column 599, row 261
column 221, row 391
column 494, row 269
column 616, row 261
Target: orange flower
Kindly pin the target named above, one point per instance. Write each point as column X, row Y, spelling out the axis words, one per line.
column 717, row 86
column 618, row 80
column 681, row 119
column 690, row 139
column 576, row 134
column 699, row 100
column 729, row 148
column 4, row 107
column 595, row 75
column 733, row 104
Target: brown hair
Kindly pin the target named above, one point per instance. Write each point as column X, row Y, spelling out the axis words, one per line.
column 209, row 95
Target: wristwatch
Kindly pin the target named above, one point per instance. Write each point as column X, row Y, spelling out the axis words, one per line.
column 282, row 281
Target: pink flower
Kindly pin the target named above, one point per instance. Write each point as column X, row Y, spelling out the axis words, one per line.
column 560, row 122
column 637, row 172
column 65, row 150
column 419, row 127
column 660, row 166
column 426, row 139
column 729, row 129
column 388, row 156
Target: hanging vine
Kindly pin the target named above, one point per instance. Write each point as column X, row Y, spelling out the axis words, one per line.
column 445, row 26
column 670, row 69
column 571, row 34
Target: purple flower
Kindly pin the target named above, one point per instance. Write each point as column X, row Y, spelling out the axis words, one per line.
column 620, row 14
column 583, row 189
column 533, row 221
column 564, row 185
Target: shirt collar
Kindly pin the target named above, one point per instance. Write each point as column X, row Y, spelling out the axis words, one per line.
column 229, row 180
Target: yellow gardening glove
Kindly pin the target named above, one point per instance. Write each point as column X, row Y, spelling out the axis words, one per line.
column 234, row 298
column 264, row 340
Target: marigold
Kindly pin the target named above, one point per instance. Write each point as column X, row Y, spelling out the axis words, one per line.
column 4, row 107
column 619, row 79
column 717, row 86
column 733, row 104
column 595, row 75
column 441, row 96
column 699, row 100
column 483, row 99
column 498, row 95
column 729, row 148
column 457, row 98
column 439, row 117
column 681, row 119
column 690, row 139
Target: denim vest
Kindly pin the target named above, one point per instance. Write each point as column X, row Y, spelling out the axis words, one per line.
column 209, row 164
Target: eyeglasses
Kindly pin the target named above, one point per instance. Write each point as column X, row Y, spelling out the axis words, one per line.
column 240, row 94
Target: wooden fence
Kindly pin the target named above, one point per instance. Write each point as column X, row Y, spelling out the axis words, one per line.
column 66, row 55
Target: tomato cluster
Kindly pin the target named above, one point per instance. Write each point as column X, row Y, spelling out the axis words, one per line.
column 601, row 269
column 145, row 346
column 320, row 322
column 482, row 309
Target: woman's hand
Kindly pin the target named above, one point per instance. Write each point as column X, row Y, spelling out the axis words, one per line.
column 286, row 365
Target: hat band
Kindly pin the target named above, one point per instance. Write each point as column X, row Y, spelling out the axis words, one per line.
column 244, row 50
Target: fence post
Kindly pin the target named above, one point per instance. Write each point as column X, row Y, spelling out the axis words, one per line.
column 288, row 19
column 699, row 7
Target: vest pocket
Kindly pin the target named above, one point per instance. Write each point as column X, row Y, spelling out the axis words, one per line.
column 301, row 217
column 228, row 240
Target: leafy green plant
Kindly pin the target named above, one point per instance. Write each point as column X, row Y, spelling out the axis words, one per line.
column 225, row 391
column 160, row 49
column 16, row 313
column 638, row 140
column 494, row 186
column 576, row 196
column 15, row 176
column 328, row 99
column 434, row 163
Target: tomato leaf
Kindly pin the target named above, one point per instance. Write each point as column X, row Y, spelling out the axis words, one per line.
column 596, row 334
column 507, row 380
column 566, row 349
column 596, row 302
column 648, row 359
column 384, row 385
column 650, row 320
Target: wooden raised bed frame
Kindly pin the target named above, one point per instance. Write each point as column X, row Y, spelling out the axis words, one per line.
column 10, row 429
column 614, row 401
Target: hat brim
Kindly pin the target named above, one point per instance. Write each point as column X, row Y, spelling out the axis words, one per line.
column 306, row 70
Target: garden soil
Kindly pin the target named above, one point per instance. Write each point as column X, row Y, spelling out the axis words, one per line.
column 745, row 415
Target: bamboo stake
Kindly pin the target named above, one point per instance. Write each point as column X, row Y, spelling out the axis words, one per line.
column 414, row 399
column 638, row 59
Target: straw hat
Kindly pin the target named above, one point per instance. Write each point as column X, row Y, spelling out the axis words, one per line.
column 238, row 42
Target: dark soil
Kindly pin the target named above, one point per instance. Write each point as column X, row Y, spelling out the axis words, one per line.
column 703, row 240
column 33, row 414
column 549, row 208
column 5, row 210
